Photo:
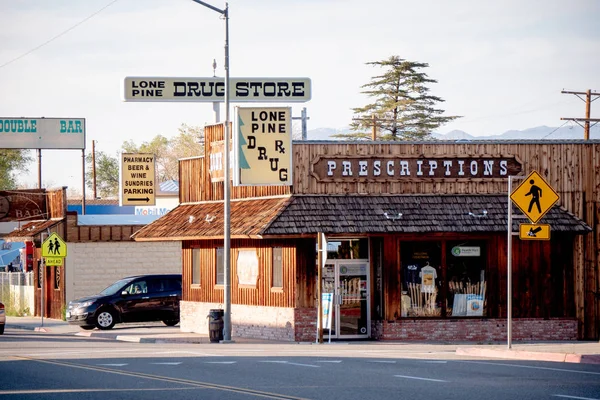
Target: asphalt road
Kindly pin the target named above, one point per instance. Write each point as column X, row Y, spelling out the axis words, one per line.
column 42, row 366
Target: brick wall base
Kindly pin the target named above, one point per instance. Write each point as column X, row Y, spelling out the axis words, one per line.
column 300, row 324
column 271, row 323
column 475, row 330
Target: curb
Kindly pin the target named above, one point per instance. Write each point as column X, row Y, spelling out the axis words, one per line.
column 530, row 355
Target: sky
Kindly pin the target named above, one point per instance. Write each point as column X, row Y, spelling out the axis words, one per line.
column 501, row 65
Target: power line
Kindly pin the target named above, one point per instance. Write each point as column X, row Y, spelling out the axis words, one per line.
column 59, row 35
column 566, row 122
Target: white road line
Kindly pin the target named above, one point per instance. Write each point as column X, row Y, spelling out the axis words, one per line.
column 291, row 363
column 166, row 363
column 435, row 362
column 419, row 378
column 529, row 366
column 113, row 365
column 220, row 362
column 573, row 397
column 333, row 361
column 382, row 361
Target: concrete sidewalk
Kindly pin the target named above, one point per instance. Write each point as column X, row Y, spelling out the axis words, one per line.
column 585, row 352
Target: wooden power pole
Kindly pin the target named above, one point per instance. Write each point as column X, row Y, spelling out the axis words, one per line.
column 588, row 102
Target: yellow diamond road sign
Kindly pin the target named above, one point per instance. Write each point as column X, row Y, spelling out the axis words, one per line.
column 534, row 232
column 54, row 246
column 534, row 196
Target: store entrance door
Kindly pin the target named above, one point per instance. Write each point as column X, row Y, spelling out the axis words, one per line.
column 348, row 280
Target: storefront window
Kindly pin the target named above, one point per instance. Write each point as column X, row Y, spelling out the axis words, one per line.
column 195, row 266
column 421, row 279
column 348, row 249
column 467, row 280
column 220, row 267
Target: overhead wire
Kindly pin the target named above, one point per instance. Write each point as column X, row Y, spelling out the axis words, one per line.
column 59, row 35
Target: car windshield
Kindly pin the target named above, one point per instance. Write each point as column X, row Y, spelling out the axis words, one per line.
column 115, row 287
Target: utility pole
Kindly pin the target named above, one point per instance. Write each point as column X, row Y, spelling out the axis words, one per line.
column 588, row 102
column 94, row 167
column 374, row 119
column 304, row 118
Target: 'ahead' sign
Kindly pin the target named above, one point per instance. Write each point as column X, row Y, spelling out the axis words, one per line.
column 266, row 90
column 137, row 186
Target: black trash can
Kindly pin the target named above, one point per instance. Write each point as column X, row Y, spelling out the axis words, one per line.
column 215, row 325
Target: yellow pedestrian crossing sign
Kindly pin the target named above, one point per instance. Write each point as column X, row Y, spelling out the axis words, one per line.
column 534, row 196
column 54, row 246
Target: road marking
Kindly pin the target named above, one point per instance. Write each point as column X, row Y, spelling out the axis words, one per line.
column 333, row 361
column 435, row 362
column 529, row 366
column 166, row 363
column 113, row 365
column 291, row 363
column 419, row 378
column 382, row 361
column 220, row 362
column 573, row 397
column 47, row 391
column 195, row 384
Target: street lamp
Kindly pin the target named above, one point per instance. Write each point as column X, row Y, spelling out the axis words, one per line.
column 226, row 195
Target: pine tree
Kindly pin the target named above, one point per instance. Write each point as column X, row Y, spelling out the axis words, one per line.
column 403, row 108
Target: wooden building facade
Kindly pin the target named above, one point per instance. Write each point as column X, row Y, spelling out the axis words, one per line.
column 416, row 242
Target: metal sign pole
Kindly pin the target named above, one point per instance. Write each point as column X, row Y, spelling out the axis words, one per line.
column 509, row 269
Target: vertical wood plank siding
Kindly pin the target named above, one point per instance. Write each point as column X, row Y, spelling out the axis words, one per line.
column 572, row 168
column 262, row 294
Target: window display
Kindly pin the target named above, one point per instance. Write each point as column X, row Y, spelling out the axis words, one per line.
column 428, row 276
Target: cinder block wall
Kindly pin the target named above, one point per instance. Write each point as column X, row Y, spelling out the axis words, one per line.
column 91, row 267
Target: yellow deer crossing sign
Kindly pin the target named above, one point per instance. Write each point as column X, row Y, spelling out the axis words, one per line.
column 54, row 247
column 534, row 196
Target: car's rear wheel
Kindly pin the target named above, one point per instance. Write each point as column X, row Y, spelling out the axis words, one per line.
column 105, row 319
column 87, row 327
column 171, row 322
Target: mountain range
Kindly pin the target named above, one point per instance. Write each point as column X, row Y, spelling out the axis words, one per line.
column 537, row 133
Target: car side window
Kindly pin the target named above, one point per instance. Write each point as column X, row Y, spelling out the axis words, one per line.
column 156, row 286
column 174, row 285
column 137, row 287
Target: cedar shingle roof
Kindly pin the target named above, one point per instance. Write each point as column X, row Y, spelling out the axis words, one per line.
column 248, row 218
column 28, row 231
column 419, row 214
column 308, row 215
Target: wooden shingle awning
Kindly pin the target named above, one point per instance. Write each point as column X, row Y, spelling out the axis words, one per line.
column 365, row 214
column 30, row 230
column 248, row 218
column 341, row 215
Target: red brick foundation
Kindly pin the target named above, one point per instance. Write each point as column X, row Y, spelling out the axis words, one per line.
column 475, row 330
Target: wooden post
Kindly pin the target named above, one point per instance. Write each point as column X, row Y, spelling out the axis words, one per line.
column 374, row 133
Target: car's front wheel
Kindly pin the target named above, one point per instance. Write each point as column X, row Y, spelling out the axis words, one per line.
column 105, row 319
column 171, row 322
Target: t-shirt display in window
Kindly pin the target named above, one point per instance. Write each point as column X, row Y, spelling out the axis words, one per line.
column 428, row 276
column 412, row 273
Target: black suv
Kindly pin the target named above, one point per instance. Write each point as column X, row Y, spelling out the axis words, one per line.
column 134, row 299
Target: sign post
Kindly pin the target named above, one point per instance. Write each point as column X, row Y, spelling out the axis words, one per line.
column 138, row 180
column 534, row 197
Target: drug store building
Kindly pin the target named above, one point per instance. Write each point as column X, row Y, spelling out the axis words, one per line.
column 416, row 240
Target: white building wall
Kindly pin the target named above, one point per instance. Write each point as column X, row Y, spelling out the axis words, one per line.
column 91, row 267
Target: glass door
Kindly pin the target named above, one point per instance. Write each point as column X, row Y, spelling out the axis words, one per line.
column 348, row 280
